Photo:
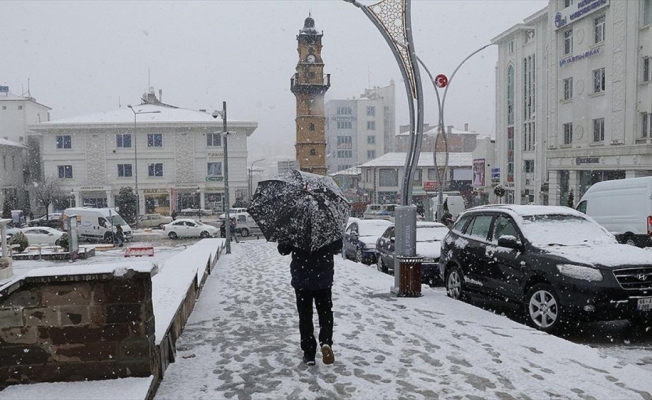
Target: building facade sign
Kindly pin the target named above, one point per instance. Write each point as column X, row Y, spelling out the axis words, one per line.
column 587, row 160
column 430, row 185
column 478, row 172
column 578, row 57
column 214, row 178
column 578, row 11
column 93, row 188
column 495, row 175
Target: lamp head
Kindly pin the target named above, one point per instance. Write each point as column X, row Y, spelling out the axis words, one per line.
column 216, row 114
column 129, row 106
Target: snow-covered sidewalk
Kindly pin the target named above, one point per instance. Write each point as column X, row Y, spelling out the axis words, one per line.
column 242, row 341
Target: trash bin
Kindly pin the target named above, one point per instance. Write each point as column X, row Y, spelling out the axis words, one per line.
column 410, row 276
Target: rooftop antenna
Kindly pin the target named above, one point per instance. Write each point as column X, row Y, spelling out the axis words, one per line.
column 368, row 78
column 119, row 104
column 149, row 80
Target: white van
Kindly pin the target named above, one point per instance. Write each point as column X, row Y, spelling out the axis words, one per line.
column 623, row 207
column 97, row 224
column 454, row 204
column 380, row 211
column 233, row 210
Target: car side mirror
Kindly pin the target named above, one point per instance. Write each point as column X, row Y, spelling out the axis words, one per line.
column 510, row 242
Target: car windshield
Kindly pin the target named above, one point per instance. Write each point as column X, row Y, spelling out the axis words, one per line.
column 431, row 233
column 116, row 220
column 372, row 229
column 563, row 230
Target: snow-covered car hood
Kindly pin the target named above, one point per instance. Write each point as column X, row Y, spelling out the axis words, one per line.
column 607, row 255
column 429, row 249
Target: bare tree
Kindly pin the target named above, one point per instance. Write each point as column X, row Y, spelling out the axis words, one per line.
column 47, row 191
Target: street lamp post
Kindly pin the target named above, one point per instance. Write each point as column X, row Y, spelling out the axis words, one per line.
column 136, row 113
column 251, row 178
column 227, row 206
column 392, row 18
column 441, row 101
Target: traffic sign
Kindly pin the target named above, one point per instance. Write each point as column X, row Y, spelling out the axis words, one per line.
column 441, row 81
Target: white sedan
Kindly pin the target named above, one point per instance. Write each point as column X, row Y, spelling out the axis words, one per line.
column 42, row 235
column 189, row 228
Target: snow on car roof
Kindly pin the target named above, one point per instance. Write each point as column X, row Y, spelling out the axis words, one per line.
column 525, row 210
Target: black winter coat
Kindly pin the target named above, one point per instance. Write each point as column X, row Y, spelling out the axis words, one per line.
column 312, row 270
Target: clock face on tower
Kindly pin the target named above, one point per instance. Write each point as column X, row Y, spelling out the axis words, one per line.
column 310, row 58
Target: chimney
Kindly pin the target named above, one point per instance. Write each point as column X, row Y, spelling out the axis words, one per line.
column 449, row 129
column 466, row 126
column 160, row 95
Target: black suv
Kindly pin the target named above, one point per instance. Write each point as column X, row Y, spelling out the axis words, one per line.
column 554, row 261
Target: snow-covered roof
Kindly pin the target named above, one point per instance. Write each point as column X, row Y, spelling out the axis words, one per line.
column 435, row 129
column 425, row 160
column 8, row 96
column 348, row 171
column 7, row 142
column 150, row 113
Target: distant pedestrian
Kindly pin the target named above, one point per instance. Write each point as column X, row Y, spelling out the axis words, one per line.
column 234, row 234
column 119, row 235
column 447, row 219
column 312, row 279
column 174, row 215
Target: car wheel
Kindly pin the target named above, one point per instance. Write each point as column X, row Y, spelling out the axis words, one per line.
column 380, row 264
column 543, row 308
column 455, row 284
column 172, row 235
column 244, row 232
column 358, row 255
column 629, row 239
column 57, row 242
column 204, row 235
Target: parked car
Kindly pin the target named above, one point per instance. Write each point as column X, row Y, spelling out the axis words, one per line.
column 42, row 235
column 244, row 225
column 558, row 264
column 153, row 220
column 380, row 211
column 429, row 237
column 184, row 228
column 360, row 238
column 235, row 210
column 623, row 207
column 53, row 221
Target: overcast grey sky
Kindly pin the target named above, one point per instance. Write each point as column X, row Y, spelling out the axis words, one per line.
column 84, row 57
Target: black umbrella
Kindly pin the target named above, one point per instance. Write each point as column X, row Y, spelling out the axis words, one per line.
column 306, row 210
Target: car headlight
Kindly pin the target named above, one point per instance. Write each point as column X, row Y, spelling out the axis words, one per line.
column 580, row 272
column 429, row 260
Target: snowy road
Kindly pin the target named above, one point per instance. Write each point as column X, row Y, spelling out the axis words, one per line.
column 242, row 340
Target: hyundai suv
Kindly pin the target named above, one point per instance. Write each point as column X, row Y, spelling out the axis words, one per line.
column 554, row 261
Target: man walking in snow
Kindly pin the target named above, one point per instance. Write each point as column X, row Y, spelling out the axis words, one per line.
column 312, row 279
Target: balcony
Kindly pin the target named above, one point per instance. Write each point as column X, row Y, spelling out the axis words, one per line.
column 309, row 87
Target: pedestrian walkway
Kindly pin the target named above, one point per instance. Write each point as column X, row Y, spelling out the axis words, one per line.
column 242, row 342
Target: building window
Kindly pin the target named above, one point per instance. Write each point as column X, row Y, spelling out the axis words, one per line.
column 647, row 76
column 371, row 154
column 568, row 89
column 510, row 154
column 344, row 142
column 510, row 95
column 598, row 80
column 371, row 111
column 647, row 12
column 568, row 41
column 344, row 125
column 568, row 3
column 598, row 130
column 371, row 139
column 387, row 177
column 528, row 166
column 529, row 87
column 214, row 169
column 213, row 139
column 344, row 111
column 154, row 140
column 155, row 169
column 313, row 152
column 13, row 163
column 4, row 162
column 345, row 154
column 510, row 47
column 311, row 126
column 646, row 125
column 599, row 29
column 371, row 125
column 123, row 140
column 529, row 136
column 4, row 107
column 124, row 170
column 568, row 133
column 64, row 142
column 20, row 107
column 65, row 171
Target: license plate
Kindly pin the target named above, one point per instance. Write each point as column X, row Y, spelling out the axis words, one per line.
column 644, row 304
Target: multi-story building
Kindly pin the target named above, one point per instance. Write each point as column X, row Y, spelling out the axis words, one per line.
column 12, row 184
column 574, row 99
column 176, row 154
column 458, row 140
column 359, row 130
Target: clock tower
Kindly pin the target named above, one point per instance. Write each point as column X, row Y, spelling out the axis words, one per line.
column 309, row 85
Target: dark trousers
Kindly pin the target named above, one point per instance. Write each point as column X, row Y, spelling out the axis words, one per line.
column 324, row 304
